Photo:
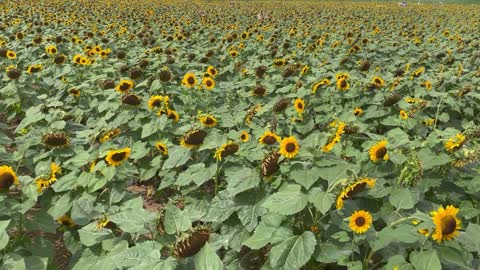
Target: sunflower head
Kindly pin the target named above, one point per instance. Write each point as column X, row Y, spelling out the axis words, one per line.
column 193, row 138
column 259, row 90
column 212, row 71
column 162, row 148
column 189, row 80
column 208, row 121
column 208, row 83
column 155, row 102
column 269, row 138
column 342, row 84
column 270, row 164
column 446, row 223
column 124, row 86
column 357, row 111
column 403, row 114
column 74, row 92
column 281, row 105
column 244, row 136
column 289, row 147
column 360, row 221
column 350, row 190
column 379, row 151
column 226, row 150
column 299, row 105
column 131, row 99
column 8, row 177
column 378, row 82
column 11, row 54
column 116, row 157
column 455, row 143
column 66, row 221
column 57, row 139
column 189, row 245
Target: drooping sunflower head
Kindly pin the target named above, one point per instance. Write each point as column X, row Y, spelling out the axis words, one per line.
column 173, row 115
column 360, row 221
column 66, row 221
column 269, row 138
column 34, row 68
column 189, row 80
column 289, row 147
column 57, row 139
column 446, row 223
column 427, row 84
column 8, row 177
column 116, row 157
column 226, row 150
column 281, row 105
column 379, row 151
column 208, row 83
column 208, row 120
column 244, row 136
column 270, row 164
column 162, row 148
column 455, row 143
column 131, row 99
column 191, row 244
column 74, row 92
column 124, row 86
column 356, row 187
column 259, row 90
column 357, row 111
column 193, row 138
column 304, row 70
column 378, row 82
column 299, row 105
column 279, row 62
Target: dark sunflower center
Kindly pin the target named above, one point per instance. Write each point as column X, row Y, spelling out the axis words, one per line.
column 191, row 80
column 300, row 106
column 74, row 92
column 269, row 139
column 381, row 152
column 259, row 90
column 161, row 148
column 243, row 137
column 11, row 54
column 377, row 81
column 209, row 121
column 119, row 156
column 357, row 189
column 213, row 71
column 6, row 180
column 157, row 103
column 343, row 83
column 209, row 83
column 196, row 137
column 229, row 150
column 124, row 86
column 56, row 140
column 360, row 221
column 357, row 112
column 290, row 147
column 449, row 224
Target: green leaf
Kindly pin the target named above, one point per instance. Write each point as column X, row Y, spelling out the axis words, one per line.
column 249, row 215
column 265, row 230
column 472, row 235
column 431, row 159
column 176, row 220
column 90, row 235
column 196, row 173
column 139, row 150
column 321, row 200
column 241, row 180
column 207, row 259
column 220, row 208
column 455, row 256
column 402, row 199
column 177, row 156
column 3, row 233
column 329, row 252
column 133, row 220
column 288, row 201
column 425, row 260
column 294, row 252
column 306, row 177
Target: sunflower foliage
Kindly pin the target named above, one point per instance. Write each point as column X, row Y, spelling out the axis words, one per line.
column 239, row 135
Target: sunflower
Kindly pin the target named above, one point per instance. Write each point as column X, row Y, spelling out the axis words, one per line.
column 233, row 53
column 52, row 49
column 193, row 138
column 342, row 84
column 225, row 150
column 115, row 157
column 357, row 111
column 426, row 84
column 304, row 70
column 353, row 189
column 76, row 58
column 212, row 71
column 379, row 151
column 66, row 221
column 259, row 91
column 189, row 80
column 208, row 121
column 162, row 147
column 428, row 122
column 342, row 75
column 299, row 105
column 455, row 143
column 269, row 138
column 446, row 223
column 378, row 82
column 54, row 170
column 289, row 147
column 279, row 62
column 34, row 68
column 74, row 92
column 270, row 164
column 155, row 102
column 110, row 135
column 360, row 221
column 124, row 86
column 403, row 114
column 173, row 115
column 8, row 177
column 244, row 136
column 131, row 99
column 11, row 54
column 208, row 83
column 58, row 139
column 317, row 85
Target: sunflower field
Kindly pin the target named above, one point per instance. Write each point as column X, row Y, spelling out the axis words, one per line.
column 212, row 135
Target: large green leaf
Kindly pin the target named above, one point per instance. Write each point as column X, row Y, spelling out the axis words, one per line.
column 133, row 220
column 288, row 201
column 294, row 252
column 241, row 180
column 207, row 259
column 176, row 220
column 425, row 260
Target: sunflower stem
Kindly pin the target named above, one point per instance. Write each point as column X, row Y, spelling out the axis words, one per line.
column 393, row 224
